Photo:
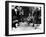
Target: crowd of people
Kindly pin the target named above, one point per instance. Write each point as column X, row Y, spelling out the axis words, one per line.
column 22, row 14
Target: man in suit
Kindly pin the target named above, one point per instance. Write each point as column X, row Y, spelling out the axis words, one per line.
column 15, row 16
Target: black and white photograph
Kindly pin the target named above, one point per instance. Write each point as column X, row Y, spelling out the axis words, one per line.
column 25, row 18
